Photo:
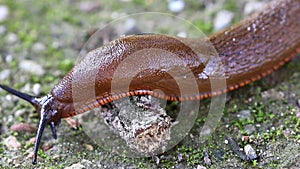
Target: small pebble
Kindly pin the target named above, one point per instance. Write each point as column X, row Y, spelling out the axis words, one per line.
column 27, row 88
column 86, row 163
column 273, row 128
column 2, row 29
column 286, row 133
column 236, row 148
column 89, row 6
column 47, row 147
column 4, row 74
column 176, row 5
column 245, row 138
column 206, row 130
column 4, row 12
column 37, row 89
column 207, row 160
column 131, row 27
column 23, row 127
column 9, row 119
column 180, row 157
column 12, row 143
column 250, row 128
column 8, row 58
column 88, row 147
column 76, row 166
column 38, row 47
column 252, row 6
column 20, row 112
column 156, row 159
column 245, row 114
column 250, row 152
column 31, row 67
column 31, row 140
column 17, row 160
column 182, row 34
column 273, row 94
column 223, row 19
column 11, row 38
column 31, row 154
column 200, row 167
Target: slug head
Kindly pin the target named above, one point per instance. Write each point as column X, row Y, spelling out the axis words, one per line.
column 48, row 114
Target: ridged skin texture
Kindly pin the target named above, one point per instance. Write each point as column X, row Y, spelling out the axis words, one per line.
column 248, row 51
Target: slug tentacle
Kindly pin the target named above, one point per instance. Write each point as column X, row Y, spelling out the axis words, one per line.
column 43, row 121
column 31, row 99
column 47, row 110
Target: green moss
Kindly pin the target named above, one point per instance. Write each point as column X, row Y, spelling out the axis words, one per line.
column 205, row 27
column 231, row 5
column 14, row 64
column 35, row 79
column 66, row 65
column 254, row 163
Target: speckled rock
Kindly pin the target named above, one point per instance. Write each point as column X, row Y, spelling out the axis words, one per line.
column 250, row 152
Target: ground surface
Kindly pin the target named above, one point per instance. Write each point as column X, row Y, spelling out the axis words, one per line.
column 49, row 35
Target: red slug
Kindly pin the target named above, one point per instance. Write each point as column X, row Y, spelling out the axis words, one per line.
column 248, row 51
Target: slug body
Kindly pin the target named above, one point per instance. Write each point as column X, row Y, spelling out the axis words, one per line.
column 248, row 51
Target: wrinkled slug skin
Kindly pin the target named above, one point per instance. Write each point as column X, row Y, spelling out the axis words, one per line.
column 248, row 51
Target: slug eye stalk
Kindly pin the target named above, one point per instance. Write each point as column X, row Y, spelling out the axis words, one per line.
column 45, row 116
column 31, row 99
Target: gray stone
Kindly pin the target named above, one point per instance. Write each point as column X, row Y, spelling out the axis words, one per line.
column 2, row 29
column 4, row 12
column 12, row 143
column 31, row 67
column 245, row 114
column 4, row 74
column 176, row 5
column 37, row 89
column 11, row 38
column 249, row 128
column 38, row 47
column 250, row 152
column 252, row 6
column 223, row 19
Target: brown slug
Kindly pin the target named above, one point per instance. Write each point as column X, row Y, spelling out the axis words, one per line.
column 248, row 51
